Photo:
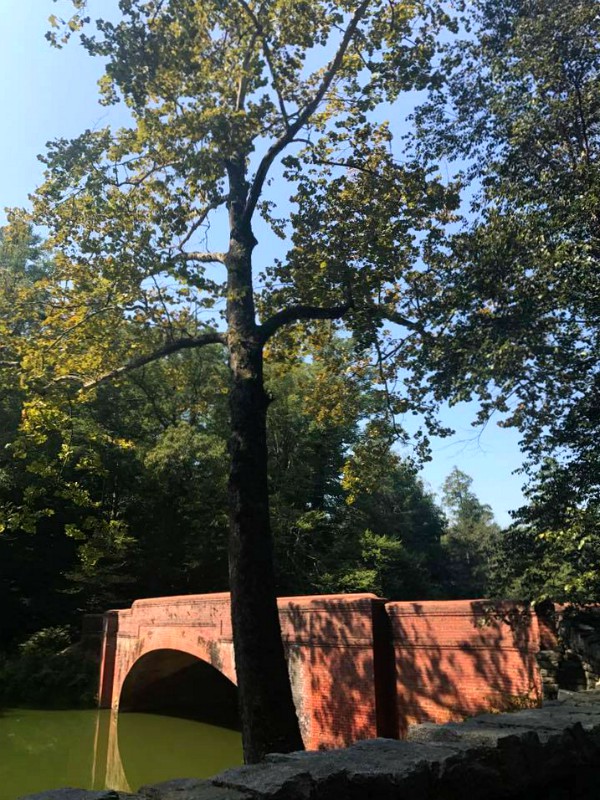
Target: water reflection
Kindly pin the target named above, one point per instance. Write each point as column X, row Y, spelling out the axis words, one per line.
column 98, row 749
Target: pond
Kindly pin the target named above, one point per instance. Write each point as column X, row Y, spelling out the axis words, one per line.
column 99, row 749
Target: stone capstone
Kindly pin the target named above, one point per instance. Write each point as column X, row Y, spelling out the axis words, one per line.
column 190, row 789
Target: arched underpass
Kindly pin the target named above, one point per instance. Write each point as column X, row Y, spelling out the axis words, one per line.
column 179, row 684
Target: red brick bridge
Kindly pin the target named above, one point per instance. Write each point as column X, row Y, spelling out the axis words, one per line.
column 360, row 667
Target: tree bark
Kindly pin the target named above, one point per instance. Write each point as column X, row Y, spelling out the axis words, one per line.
column 268, row 716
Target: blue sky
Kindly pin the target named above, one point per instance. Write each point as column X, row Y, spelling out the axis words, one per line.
column 49, row 93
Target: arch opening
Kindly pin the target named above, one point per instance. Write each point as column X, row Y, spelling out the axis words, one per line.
column 175, row 683
column 571, row 674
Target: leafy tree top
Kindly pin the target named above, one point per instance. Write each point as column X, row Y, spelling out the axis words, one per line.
column 519, row 113
column 224, row 99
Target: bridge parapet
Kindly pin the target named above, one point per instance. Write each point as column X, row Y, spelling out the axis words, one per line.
column 360, row 667
column 454, row 659
column 329, row 642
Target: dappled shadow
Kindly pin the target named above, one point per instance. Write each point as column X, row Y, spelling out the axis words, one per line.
column 332, row 643
column 459, row 658
column 360, row 667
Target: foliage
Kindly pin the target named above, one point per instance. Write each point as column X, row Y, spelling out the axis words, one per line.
column 553, row 550
column 470, row 540
column 48, row 671
column 516, row 320
column 384, row 540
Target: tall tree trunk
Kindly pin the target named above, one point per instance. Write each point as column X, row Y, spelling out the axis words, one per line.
column 268, row 716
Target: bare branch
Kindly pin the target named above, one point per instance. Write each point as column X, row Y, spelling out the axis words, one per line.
column 7, row 364
column 140, row 361
column 205, row 258
column 212, row 206
column 326, row 162
column 386, row 388
column 386, row 313
column 243, row 84
column 299, row 312
column 304, row 115
column 268, row 58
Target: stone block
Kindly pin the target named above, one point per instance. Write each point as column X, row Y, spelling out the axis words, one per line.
column 79, row 794
column 190, row 789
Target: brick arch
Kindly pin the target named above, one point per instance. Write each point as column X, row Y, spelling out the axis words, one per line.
column 167, row 680
column 201, row 631
column 217, row 653
column 329, row 641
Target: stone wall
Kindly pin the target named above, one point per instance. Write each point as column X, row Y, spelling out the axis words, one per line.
column 569, row 656
column 579, row 635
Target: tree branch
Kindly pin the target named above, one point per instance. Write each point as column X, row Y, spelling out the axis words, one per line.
column 212, row 206
column 243, row 84
column 205, row 258
column 398, row 319
column 268, row 58
column 326, row 162
column 140, row 361
column 297, row 313
column 303, row 117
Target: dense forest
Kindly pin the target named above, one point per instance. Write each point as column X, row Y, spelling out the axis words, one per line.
column 126, row 496
column 176, row 418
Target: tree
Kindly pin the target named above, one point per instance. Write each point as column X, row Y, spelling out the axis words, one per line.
column 218, row 94
column 517, row 326
column 389, row 539
column 552, row 551
column 349, row 515
column 25, row 563
column 471, row 538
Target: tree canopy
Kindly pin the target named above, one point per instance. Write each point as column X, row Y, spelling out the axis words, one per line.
column 224, row 98
column 517, row 325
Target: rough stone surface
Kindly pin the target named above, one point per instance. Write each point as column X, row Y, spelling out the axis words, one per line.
column 300, row 776
column 78, row 794
column 190, row 789
column 552, row 753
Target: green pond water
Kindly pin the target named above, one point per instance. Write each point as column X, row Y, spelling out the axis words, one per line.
column 98, row 749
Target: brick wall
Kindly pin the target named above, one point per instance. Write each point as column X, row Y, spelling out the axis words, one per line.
column 359, row 667
column 457, row 658
column 330, row 645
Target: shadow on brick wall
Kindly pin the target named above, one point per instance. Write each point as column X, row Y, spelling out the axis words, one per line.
column 333, row 647
column 459, row 658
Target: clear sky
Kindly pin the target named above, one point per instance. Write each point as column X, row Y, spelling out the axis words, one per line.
column 48, row 93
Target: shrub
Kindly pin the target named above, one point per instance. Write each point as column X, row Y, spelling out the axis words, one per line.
column 49, row 671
